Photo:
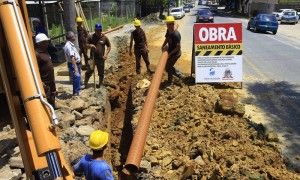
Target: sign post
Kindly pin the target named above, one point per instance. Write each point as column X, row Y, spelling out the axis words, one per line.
column 217, row 52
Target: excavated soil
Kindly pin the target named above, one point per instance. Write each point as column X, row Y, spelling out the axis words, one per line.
column 190, row 137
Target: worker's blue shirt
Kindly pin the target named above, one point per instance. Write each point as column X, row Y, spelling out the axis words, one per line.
column 93, row 169
column 40, row 29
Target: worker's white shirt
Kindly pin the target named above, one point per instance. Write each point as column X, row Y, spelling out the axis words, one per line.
column 70, row 50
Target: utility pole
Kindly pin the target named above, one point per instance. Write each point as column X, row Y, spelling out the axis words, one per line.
column 169, row 7
column 122, row 8
column 69, row 18
column 100, row 13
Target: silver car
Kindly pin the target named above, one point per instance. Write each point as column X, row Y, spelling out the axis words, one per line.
column 178, row 13
column 290, row 17
column 279, row 13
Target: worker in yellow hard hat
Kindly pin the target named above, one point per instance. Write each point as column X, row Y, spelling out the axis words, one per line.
column 79, row 19
column 172, row 44
column 82, row 40
column 94, row 166
column 140, row 46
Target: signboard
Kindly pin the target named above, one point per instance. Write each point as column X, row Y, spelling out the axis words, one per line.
column 218, row 52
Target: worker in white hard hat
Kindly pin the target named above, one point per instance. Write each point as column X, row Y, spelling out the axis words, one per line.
column 140, row 47
column 46, row 67
column 173, row 46
column 39, row 28
column 94, row 166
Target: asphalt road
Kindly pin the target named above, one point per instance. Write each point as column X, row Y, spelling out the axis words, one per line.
column 270, row 77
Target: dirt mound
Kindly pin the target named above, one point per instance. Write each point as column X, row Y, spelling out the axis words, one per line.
column 189, row 137
column 151, row 18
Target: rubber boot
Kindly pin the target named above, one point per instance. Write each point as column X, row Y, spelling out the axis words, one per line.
column 170, row 78
column 149, row 70
column 100, row 82
column 51, row 101
column 85, row 83
column 178, row 74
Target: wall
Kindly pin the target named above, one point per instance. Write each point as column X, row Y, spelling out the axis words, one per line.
column 262, row 8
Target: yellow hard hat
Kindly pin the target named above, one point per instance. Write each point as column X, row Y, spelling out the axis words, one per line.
column 170, row 19
column 137, row 22
column 98, row 139
column 79, row 19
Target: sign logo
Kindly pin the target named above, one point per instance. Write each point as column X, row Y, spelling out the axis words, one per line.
column 212, row 72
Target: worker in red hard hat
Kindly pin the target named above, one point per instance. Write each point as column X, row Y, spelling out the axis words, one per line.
column 94, row 166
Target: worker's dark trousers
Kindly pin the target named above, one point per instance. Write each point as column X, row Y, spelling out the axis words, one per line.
column 138, row 54
column 50, row 91
column 83, row 51
column 99, row 63
column 170, row 67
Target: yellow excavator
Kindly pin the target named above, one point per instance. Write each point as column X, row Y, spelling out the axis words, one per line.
column 34, row 119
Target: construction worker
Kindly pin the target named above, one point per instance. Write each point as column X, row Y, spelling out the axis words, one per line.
column 38, row 27
column 172, row 45
column 97, row 42
column 46, row 67
column 140, row 46
column 94, row 166
column 82, row 40
column 73, row 59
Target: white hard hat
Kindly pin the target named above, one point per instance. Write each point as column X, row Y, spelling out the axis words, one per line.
column 36, row 20
column 41, row 37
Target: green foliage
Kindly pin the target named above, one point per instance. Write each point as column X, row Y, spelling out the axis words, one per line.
column 55, row 31
column 162, row 16
column 109, row 22
column 112, row 22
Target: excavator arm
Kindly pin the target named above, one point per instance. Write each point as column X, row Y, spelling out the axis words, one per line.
column 33, row 117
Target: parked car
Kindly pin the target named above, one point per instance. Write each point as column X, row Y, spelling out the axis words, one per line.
column 204, row 2
column 263, row 22
column 213, row 8
column 290, row 17
column 212, row 2
column 279, row 13
column 172, row 4
column 200, row 2
column 204, row 7
column 186, row 9
column 192, row 5
column 178, row 13
column 204, row 16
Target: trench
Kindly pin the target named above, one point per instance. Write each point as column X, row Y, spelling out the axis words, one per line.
column 122, row 107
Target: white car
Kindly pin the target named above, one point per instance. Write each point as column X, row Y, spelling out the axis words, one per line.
column 290, row 17
column 279, row 13
column 178, row 13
